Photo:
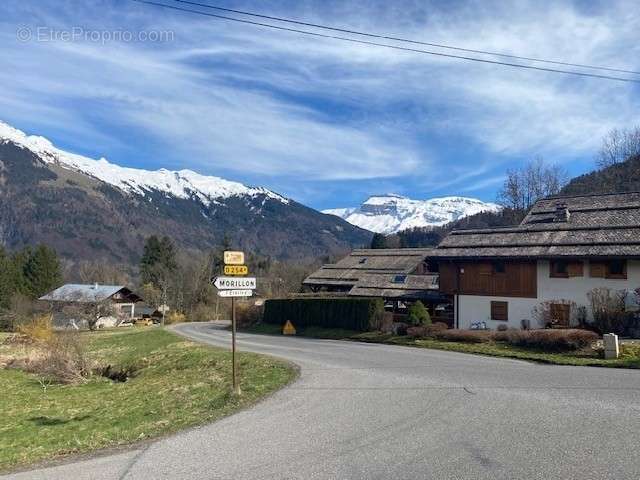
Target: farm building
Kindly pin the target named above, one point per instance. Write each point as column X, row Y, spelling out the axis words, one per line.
column 113, row 304
column 563, row 249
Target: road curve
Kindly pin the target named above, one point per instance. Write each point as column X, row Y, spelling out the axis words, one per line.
column 365, row 411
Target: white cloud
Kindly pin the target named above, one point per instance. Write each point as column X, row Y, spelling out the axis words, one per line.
column 257, row 101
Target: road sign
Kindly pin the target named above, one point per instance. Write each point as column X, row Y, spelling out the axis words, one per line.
column 289, row 329
column 233, row 258
column 235, row 293
column 235, row 283
column 235, row 270
column 163, row 308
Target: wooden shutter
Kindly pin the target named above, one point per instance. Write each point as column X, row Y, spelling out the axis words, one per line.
column 575, row 269
column 597, row 269
column 500, row 311
column 560, row 313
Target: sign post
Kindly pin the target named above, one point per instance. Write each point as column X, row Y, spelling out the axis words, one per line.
column 233, row 286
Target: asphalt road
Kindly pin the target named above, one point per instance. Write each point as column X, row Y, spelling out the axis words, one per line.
column 364, row 411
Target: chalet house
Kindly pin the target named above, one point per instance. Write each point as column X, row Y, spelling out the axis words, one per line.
column 398, row 276
column 121, row 300
column 563, row 249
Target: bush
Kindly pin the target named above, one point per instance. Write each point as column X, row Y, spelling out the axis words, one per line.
column 361, row 314
column 469, row 336
column 175, row 317
column 427, row 330
column 550, row 340
column 248, row 314
column 608, row 307
column 62, row 359
column 419, row 315
column 502, row 328
column 39, row 328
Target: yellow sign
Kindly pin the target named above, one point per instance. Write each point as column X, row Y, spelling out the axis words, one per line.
column 288, row 329
column 233, row 258
column 236, row 270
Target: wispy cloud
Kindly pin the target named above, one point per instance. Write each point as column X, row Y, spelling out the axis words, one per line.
column 279, row 107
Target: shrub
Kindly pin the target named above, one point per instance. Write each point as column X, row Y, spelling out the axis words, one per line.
column 427, row 330
column 248, row 314
column 361, row 314
column 549, row 340
column 62, row 358
column 39, row 328
column 418, row 314
column 469, row 336
column 399, row 328
column 608, row 307
column 175, row 317
column 417, row 332
column 502, row 328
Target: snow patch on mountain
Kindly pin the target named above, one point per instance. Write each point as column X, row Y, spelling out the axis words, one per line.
column 392, row 213
column 182, row 183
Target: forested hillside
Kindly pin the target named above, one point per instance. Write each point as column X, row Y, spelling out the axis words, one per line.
column 619, row 177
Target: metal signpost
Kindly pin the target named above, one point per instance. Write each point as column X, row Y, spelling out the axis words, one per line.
column 233, row 286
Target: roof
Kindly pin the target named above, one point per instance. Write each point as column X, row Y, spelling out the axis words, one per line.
column 378, row 273
column 396, row 286
column 577, row 226
column 79, row 293
column 359, row 262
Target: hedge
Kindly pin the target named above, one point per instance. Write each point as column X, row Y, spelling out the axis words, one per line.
column 361, row 314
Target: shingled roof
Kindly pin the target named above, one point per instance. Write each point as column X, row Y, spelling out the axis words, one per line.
column 78, row 293
column 576, row 226
column 383, row 273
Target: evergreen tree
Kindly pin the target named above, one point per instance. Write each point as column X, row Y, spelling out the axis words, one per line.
column 158, row 260
column 7, row 285
column 378, row 241
column 41, row 271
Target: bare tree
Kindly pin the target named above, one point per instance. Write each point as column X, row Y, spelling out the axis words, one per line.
column 618, row 146
column 535, row 180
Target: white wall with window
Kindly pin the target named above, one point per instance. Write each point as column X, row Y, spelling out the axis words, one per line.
column 569, row 281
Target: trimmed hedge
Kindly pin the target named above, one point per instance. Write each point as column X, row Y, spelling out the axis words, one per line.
column 361, row 314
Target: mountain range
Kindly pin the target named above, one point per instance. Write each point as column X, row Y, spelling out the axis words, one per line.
column 93, row 209
column 392, row 213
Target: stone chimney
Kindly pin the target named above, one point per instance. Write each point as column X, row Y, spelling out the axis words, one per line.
column 562, row 213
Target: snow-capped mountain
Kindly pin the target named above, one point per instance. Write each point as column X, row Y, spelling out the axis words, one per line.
column 181, row 184
column 392, row 213
column 94, row 209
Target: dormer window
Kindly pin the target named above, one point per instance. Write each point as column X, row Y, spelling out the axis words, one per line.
column 399, row 279
column 362, row 260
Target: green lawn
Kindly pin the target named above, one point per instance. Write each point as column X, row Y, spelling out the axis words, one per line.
column 178, row 384
column 629, row 359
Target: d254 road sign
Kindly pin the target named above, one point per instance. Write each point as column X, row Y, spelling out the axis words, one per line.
column 235, row 293
column 235, row 283
column 233, row 258
column 235, row 270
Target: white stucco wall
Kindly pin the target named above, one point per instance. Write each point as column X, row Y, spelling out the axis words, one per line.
column 577, row 288
column 474, row 308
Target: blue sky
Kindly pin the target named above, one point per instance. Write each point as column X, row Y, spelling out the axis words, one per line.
column 325, row 122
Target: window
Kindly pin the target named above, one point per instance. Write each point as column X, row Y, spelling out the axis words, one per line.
column 559, row 269
column 362, row 260
column 399, row 279
column 617, row 269
column 500, row 311
column 499, row 267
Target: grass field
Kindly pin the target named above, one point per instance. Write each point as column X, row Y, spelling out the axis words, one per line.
column 629, row 359
column 177, row 384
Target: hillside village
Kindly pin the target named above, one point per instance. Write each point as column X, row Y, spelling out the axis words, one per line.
column 331, row 240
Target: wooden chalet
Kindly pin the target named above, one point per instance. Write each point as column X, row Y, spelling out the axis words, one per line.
column 563, row 249
column 399, row 276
